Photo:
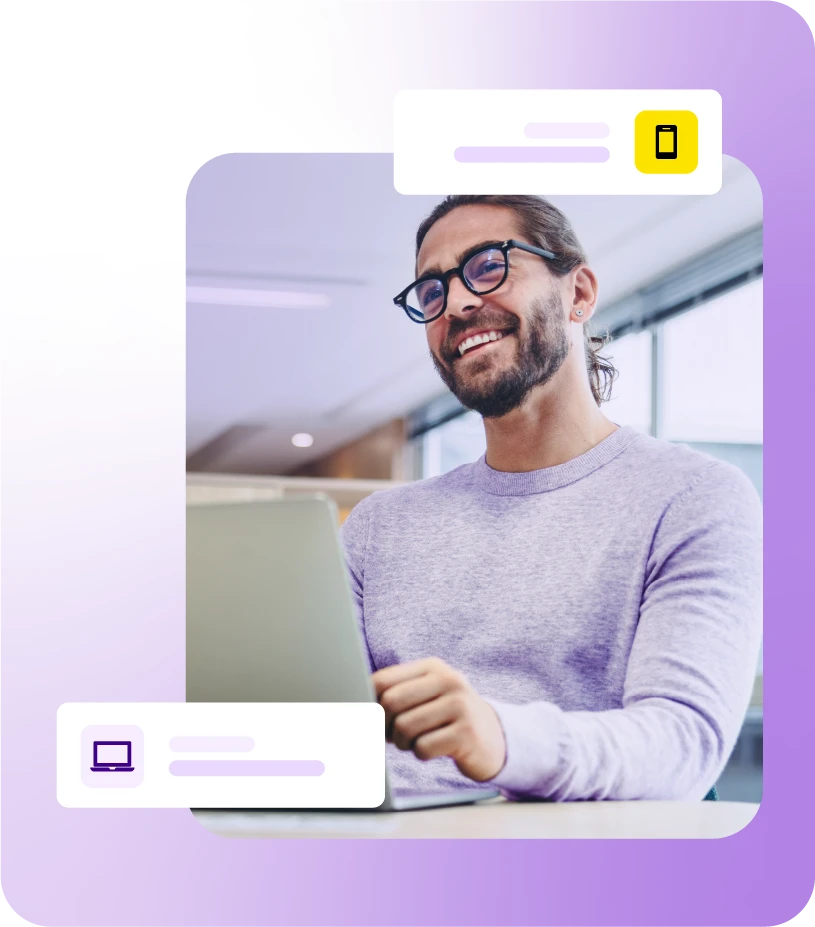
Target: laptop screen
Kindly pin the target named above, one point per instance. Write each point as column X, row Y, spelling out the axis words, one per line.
column 111, row 754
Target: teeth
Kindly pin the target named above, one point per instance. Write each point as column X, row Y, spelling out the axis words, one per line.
column 478, row 339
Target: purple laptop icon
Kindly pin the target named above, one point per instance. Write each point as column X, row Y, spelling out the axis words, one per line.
column 111, row 756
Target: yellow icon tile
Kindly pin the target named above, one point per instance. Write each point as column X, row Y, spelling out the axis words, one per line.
column 666, row 141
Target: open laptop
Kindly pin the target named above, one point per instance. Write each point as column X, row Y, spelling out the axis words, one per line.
column 112, row 756
column 270, row 616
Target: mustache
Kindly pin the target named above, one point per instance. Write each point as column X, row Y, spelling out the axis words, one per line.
column 459, row 329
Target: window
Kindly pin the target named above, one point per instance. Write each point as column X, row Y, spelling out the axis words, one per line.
column 456, row 442
column 712, row 386
column 630, row 402
column 712, row 370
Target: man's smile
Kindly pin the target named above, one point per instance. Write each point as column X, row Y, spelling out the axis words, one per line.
column 479, row 342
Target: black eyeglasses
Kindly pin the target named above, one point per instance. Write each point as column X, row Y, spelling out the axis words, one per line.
column 482, row 271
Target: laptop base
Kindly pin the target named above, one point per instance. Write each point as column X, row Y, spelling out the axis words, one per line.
column 406, row 800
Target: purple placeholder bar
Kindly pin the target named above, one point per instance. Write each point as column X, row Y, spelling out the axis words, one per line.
column 212, row 744
column 566, row 130
column 246, row 768
column 549, row 154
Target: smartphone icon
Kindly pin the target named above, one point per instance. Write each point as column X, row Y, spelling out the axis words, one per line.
column 666, row 142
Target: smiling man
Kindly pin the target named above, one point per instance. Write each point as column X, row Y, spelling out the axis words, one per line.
column 576, row 615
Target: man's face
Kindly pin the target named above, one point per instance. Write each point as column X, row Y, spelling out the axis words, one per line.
column 526, row 312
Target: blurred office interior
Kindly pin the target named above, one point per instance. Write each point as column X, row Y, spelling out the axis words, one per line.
column 292, row 264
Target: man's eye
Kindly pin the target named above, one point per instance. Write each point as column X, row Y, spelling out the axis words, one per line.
column 430, row 294
column 486, row 266
column 490, row 266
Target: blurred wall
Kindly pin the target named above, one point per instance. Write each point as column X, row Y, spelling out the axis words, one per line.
column 378, row 455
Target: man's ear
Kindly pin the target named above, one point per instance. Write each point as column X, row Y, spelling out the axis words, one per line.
column 584, row 294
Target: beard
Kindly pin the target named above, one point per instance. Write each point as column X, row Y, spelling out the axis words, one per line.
column 541, row 353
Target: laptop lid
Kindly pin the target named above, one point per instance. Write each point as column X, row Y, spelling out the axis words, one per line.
column 270, row 616
column 110, row 753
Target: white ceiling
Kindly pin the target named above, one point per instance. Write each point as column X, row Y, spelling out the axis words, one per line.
column 333, row 224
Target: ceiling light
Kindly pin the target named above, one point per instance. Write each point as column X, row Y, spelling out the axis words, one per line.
column 261, row 299
column 302, row 440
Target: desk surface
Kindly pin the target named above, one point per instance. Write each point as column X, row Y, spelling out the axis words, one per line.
column 497, row 819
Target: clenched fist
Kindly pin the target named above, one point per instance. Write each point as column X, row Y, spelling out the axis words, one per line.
column 432, row 710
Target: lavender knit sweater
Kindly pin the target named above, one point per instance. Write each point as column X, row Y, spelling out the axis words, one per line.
column 609, row 608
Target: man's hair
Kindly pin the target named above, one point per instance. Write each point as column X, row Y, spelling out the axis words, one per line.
column 544, row 225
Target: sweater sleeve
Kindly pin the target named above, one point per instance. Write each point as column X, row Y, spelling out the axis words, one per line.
column 354, row 537
column 690, row 671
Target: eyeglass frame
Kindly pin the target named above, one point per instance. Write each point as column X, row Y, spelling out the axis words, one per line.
column 503, row 246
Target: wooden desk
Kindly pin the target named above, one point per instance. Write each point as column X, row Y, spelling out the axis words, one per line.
column 497, row 819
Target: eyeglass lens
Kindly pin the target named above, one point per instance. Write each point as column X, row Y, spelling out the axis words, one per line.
column 483, row 272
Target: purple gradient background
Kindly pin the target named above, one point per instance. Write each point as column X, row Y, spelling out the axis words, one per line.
column 108, row 625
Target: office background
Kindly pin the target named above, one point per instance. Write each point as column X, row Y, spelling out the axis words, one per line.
column 292, row 264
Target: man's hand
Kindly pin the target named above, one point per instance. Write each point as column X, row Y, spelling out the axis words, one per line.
column 432, row 710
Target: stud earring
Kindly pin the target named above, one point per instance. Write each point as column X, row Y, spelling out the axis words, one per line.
column 578, row 312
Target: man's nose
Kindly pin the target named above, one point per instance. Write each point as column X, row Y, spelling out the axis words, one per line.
column 460, row 301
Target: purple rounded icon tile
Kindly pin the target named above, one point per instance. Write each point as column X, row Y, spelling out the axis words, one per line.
column 112, row 756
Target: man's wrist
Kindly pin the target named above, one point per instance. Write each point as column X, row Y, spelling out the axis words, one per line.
column 535, row 736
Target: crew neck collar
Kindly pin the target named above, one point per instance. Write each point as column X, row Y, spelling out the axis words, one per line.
column 503, row 483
